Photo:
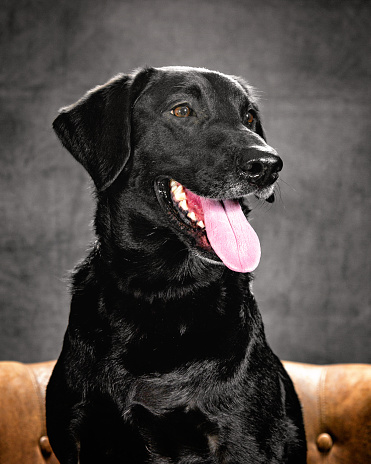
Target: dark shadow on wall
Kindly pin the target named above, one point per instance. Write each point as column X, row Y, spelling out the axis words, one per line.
column 310, row 60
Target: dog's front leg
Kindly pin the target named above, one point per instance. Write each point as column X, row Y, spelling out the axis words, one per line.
column 63, row 430
column 64, row 417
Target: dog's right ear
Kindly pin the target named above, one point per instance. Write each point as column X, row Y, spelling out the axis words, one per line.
column 96, row 129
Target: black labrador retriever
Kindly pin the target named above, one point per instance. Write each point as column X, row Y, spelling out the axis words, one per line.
column 165, row 359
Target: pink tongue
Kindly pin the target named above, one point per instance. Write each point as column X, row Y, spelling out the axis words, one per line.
column 230, row 234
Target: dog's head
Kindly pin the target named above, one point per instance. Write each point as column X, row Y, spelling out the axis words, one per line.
column 180, row 148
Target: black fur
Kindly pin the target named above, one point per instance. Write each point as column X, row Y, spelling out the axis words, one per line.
column 165, row 358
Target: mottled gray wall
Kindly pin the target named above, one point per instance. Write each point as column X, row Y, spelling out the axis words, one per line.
column 311, row 61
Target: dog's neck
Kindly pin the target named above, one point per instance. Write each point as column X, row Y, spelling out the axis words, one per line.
column 224, row 315
column 169, row 276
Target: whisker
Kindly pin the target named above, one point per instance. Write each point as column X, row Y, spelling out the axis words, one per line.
column 286, row 183
column 279, row 195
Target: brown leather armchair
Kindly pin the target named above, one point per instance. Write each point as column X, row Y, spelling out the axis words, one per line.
column 336, row 401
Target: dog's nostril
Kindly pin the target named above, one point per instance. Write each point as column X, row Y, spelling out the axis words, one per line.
column 254, row 169
column 262, row 169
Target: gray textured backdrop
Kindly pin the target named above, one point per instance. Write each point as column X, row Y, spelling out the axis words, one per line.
column 311, row 61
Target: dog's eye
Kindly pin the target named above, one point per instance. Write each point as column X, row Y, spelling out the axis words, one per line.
column 182, row 111
column 250, row 118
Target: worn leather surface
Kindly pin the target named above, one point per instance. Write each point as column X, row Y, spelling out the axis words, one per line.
column 336, row 402
column 22, row 413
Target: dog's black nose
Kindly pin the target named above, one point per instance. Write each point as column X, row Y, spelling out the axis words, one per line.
column 262, row 169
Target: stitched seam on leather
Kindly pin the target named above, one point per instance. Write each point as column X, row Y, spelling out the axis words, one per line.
column 36, row 386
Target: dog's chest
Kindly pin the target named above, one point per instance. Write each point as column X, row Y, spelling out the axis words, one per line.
column 189, row 435
column 194, row 422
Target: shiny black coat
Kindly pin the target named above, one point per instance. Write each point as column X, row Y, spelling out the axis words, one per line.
column 165, row 358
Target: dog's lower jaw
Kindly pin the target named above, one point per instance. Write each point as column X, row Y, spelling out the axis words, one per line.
column 207, row 260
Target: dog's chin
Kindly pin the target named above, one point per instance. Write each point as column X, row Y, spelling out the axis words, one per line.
column 266, row 194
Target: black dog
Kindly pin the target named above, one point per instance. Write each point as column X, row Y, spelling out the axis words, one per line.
column 165, row 358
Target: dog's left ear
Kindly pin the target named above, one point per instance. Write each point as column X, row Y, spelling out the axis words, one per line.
column 96, row 129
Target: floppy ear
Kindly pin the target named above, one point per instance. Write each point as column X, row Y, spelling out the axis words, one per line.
column 96, row 129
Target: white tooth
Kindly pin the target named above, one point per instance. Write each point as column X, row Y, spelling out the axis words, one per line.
column 192, row 216
column 179, row 196
column 178, row 190
column 201, row 224
column 174, row 185
column 183, row 204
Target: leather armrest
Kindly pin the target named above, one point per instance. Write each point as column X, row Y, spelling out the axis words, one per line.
column 22, row 413
column 336, row 401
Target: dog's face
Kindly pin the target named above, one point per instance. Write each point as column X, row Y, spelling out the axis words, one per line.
column 173, row 152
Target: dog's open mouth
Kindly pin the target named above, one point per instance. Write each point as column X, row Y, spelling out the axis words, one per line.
column 187, row 204
column 219, row 225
